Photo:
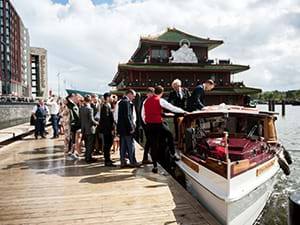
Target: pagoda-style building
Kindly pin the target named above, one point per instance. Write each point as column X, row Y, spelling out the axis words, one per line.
column 175, row 54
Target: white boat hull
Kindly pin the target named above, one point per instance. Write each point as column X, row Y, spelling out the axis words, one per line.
column 238, row 201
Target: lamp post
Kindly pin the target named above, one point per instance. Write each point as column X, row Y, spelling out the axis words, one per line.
column 58, row 84
column 64, row 88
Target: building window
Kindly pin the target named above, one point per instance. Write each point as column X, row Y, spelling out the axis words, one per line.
column 159, row 55
column 213, row 77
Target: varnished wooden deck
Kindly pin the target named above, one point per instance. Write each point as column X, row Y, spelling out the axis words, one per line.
column 39, row 186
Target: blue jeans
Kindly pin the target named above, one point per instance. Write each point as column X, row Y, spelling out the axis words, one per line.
column 54, row 120
column 127, row 145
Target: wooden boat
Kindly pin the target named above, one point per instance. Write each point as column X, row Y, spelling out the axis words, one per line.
column 230, row 156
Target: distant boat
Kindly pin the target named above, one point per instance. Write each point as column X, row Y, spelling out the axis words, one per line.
column 296, row 102
column 230, row 156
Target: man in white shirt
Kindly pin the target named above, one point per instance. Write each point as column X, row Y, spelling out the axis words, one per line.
column 54, row 109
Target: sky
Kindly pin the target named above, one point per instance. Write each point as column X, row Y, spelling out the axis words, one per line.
column 86, row 39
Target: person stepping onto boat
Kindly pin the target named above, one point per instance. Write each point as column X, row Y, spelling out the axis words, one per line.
column 152, row 117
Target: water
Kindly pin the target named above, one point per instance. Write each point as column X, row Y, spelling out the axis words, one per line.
column 288, row 131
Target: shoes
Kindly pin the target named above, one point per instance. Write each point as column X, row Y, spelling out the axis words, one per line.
column 75, row 155
column 122, row 166
column 110, row 164
column 43, row 136
column 136, row 165
column 36, row 137
column 155, row 170
column 146, row 161
column 175, row 157
column 92, row 160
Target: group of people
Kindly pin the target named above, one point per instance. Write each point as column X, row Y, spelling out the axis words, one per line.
column 98, row 123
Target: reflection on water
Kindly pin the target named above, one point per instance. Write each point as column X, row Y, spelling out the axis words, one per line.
column 288, row 131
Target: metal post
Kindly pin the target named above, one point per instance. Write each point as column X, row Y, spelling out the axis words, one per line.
column 283, row 107
column 228, row 161
column 270, row 105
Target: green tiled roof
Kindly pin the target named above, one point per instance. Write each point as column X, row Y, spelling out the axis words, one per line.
column 83, row 93
column 199, row 67
column 174, row 35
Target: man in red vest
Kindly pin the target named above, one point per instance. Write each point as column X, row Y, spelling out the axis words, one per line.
column 152, row 116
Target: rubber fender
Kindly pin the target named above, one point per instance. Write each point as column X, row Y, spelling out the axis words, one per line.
column 284, row 166
column 287, row 157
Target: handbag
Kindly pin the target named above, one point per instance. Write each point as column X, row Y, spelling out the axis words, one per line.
column 32, row 120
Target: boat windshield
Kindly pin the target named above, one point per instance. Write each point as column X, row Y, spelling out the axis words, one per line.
column 208, row 133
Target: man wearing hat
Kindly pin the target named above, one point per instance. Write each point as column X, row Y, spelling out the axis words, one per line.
column 106, row 127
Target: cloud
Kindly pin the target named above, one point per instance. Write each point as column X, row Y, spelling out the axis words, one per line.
column 94, row 38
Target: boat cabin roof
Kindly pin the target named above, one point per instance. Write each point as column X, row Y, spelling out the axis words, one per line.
column 222, row 109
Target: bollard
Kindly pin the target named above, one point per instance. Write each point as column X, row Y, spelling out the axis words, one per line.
column 283, row 108
column 294, row 208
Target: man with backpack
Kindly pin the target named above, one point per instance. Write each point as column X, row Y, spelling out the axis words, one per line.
column 40, row 112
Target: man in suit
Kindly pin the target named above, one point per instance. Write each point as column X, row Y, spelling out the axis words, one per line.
column 94, row 104
column 178, row 97
column 72, row 104
column 88, row 128
column 126, row 128
column 106, row 125
column 40, row 112
column 196, row 101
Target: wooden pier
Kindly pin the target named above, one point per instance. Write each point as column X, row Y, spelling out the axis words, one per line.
column 39, row 185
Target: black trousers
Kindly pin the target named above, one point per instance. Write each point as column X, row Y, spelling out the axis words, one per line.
column 176, row 127
column 89, row 140
column 156, row 133
column 153, row 129
column 108, row 140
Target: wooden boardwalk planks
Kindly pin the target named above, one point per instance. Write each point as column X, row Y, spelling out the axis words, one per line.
column 40, row 186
